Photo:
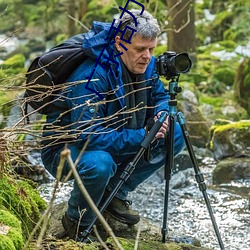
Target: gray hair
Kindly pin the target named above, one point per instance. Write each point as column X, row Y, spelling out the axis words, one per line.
column 147, row 26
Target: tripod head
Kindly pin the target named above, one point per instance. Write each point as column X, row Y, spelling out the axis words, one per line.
column 174, row 89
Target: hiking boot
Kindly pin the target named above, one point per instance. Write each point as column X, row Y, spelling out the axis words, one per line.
column 75, row 231
column 121, row 211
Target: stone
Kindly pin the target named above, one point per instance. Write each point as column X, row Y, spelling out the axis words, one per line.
column 230, row 140
column 231, row 169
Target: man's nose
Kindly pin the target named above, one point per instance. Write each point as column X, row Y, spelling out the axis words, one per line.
column 146, row 54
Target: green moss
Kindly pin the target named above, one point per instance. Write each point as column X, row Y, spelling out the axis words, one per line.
column 13, row 239
column 228, row 45
column 225, row 75
column 16, row 237
column 236, row 125
column 6, row 243
column 22, row 200
column 128, row 244
column 239, row 128
column 9, row 219
column 212, row 100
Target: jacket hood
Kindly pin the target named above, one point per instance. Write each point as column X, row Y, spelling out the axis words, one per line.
column 97, row 39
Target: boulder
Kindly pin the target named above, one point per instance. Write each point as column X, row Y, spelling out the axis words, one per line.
column 231, row 139
column 231, row 169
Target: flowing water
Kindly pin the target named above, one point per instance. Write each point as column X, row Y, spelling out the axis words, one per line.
column 187, row 212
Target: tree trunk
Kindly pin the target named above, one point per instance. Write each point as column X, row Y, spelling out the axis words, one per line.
column 83, row 8
column 72, row 13
column 181, row 27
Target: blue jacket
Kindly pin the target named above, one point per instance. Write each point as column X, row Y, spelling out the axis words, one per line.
column 102, row 121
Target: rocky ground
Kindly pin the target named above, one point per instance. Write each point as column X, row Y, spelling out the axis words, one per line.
column 149, row 236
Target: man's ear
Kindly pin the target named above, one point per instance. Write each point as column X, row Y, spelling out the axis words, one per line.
column 117, row 42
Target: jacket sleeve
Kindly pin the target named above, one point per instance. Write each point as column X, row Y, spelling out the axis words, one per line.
column 88, row 120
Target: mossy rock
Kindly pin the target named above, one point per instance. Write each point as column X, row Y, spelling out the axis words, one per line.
column 128, row 244
column 21, row 199
column 10, row 231
column 232, row 139
column 231, row 169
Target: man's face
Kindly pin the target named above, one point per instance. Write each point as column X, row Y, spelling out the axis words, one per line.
column 139, row 53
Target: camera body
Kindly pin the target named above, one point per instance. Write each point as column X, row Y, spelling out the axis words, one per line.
column 171, row 65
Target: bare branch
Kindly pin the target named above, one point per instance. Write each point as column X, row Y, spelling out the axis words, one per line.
column 66, row 154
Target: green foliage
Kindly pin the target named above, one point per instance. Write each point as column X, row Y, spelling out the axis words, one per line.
column 214, row 101
column 229, row 23
column 160, row 49
column 219, row 102
column 17, row 61
column 12, row 67
column 224, row 75
column 242, row 84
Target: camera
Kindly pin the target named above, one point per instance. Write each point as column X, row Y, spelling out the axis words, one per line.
column 171, row 65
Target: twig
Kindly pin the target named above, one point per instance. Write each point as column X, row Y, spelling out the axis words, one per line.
column 66, row 154
column 99, row 238
column 45, row 217
column 77, row 21
column 137, row 236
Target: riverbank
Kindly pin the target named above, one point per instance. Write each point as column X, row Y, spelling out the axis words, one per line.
column 188, row 215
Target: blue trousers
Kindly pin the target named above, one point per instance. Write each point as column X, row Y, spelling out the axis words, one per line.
column 100, row 170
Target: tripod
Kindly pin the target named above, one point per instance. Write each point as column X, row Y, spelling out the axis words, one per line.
column 169, row 163
column 173, row 90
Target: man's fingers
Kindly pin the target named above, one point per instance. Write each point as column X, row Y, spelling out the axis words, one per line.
column 159, row 135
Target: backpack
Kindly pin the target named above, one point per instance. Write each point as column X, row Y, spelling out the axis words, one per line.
column 48, row 73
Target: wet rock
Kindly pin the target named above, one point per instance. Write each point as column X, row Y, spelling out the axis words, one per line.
column 181, row 179
column 231, row 169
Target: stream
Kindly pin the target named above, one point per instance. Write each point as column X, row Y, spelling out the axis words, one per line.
column 187, row 212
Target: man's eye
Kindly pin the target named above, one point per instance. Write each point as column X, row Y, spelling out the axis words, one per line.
column 139, row 49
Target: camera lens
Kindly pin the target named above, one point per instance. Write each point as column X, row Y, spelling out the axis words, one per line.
column 181, row 63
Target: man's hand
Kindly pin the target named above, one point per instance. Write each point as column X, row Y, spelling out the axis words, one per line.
column 164, row 128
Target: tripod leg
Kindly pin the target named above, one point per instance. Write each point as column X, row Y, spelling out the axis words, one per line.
column 168, row 173
column 199, row 177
